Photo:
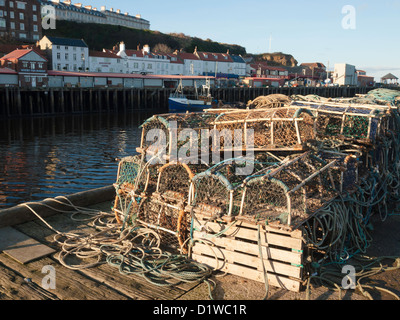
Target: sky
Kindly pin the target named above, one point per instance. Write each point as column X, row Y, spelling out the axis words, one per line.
column 362, row 33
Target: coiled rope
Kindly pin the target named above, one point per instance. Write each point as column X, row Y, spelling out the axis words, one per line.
column 134, row 250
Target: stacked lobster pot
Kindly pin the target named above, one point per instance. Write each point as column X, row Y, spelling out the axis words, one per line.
column 307, row 160
column 270, row 129
column 283, row 192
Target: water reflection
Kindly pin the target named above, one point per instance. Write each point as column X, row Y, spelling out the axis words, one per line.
column 52, row 156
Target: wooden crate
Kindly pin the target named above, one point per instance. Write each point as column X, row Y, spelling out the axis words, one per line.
column 233, row 247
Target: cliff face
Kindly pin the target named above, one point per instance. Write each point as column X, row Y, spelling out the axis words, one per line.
column 277, row 59
column 280, row 59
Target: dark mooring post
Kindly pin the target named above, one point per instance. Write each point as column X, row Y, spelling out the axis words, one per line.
column 52, row 101
column 7, row 93
column 61, row 93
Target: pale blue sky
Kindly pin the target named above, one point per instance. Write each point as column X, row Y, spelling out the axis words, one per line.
column 310, row 30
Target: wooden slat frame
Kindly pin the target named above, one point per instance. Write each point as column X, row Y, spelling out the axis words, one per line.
column 236, row 251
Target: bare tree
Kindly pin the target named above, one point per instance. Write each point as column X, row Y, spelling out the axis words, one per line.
column 162, row 48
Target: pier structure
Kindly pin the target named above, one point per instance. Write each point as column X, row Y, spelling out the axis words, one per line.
column 16, row 102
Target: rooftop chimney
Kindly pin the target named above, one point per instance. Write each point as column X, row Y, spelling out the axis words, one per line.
column 146, row 48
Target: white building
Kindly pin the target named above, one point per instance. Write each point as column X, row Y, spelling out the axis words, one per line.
column 345, row 74
column 107, row 62
column 192, row 65
column 144, row 61
column 239, row 65
column 65, row 54
column 66, row 10
column 215, row 63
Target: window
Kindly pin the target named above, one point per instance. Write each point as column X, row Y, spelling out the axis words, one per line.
column 34, row 7
column 33, row 65
column 21, row 26
column 21, row 5
column 35, row 17
column 58, row 56
column 35, row 28
column 40, row 65
column 11, row 4
column 149, row 66
column 12, row 25
column 2, row 3
column 22, row 35
column 66, row 56
column 25, row 64
column 21, row 16
column 74, row 56
column 27, row 79
column 12, row 15
column 66, row 48
column 2, row 23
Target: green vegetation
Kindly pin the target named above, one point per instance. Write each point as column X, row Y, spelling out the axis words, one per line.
column 99, row 36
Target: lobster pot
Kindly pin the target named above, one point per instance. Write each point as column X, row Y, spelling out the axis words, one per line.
column 173, row 131
column 357, row 123
column 268, row 129
column 135, row 178
column 217, row 191
column 269, row 101
column 164, row 210
column 289, row 193
column 346, row 177
column 213, row 195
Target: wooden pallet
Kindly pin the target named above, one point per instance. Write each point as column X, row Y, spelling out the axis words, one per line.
column 233, row 247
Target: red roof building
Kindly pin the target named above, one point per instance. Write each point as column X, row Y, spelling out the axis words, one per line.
column 30, row 66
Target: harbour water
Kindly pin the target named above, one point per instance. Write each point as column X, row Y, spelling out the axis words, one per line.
column 52, row 156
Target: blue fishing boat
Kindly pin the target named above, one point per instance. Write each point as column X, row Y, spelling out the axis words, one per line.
column 178, row 102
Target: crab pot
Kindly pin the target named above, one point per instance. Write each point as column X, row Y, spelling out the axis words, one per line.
column 172, row 131
column 268, row 129
column 164, row 210
column 134, row 180
column 269, row 101
column 346, row 177
column 358, row 123
column 289, row 193
column 212, row 195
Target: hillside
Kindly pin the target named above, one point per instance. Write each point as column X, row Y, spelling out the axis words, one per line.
column 99, row 36
column 276, row 59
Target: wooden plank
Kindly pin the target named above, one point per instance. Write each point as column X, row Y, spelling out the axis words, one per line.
column 21, row 247
column 280, row 230
column 249, row 260
column 266, row 238
column 13, row 287
column 20, row 214
column 252, row 274
column 70, row 285
column 135, row 287
column 268, row 252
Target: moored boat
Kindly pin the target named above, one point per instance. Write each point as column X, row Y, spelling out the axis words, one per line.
column 178, row 102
